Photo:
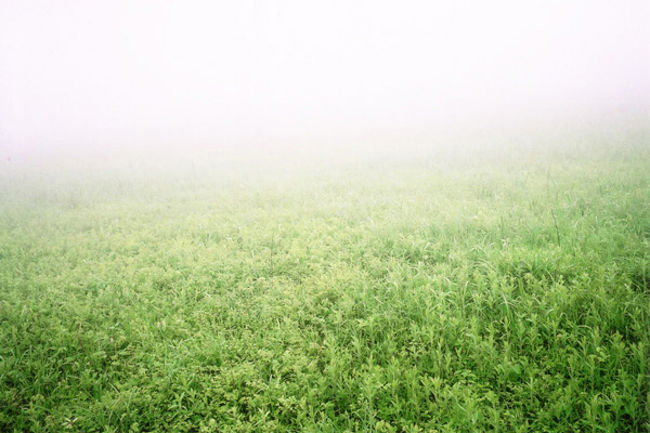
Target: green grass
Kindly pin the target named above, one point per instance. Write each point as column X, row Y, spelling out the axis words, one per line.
column 394, row 298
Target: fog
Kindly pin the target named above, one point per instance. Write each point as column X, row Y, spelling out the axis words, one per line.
column 331, row 78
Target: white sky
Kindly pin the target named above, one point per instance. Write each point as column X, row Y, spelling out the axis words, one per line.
column 114, row 72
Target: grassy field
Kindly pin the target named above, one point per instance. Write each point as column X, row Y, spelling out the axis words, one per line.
column 411, row 297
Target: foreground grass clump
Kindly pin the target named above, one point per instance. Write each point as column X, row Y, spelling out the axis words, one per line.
column 398, row 299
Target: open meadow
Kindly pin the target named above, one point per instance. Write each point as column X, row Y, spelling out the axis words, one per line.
column 506, row 294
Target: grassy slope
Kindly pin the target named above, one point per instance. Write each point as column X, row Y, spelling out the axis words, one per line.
column 393, row 299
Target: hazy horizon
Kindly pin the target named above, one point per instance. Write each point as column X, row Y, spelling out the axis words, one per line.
column 97, row 76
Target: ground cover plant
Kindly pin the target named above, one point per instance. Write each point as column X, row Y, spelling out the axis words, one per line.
column 411, row 297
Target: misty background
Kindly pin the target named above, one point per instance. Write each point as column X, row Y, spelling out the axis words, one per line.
column 152, row 79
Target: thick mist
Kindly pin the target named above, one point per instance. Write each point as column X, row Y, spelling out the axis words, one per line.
column 324, row 78
column 335, row 216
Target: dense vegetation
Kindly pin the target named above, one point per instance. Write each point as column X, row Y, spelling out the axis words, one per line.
column 407, row 297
